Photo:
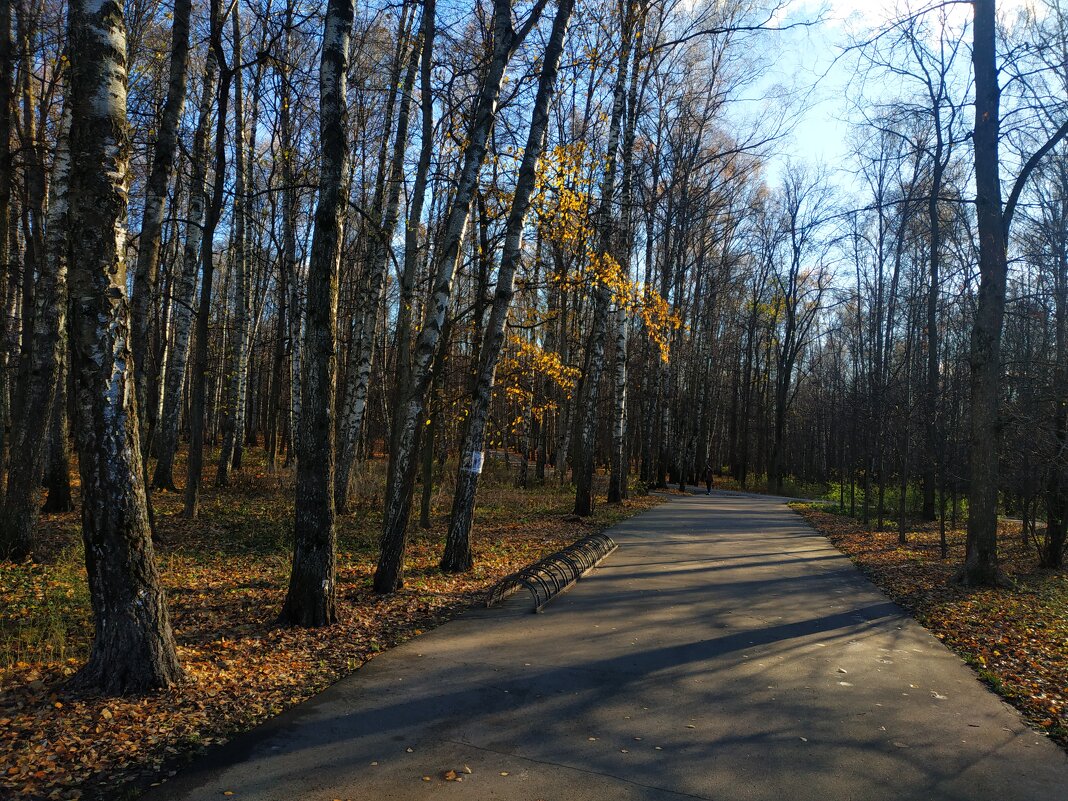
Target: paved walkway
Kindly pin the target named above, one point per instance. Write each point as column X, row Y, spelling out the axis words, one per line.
column 724, row 652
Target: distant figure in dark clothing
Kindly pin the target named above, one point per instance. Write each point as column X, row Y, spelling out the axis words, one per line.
column 709, row 476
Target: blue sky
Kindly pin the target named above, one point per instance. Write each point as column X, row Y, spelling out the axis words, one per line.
column 805, row 61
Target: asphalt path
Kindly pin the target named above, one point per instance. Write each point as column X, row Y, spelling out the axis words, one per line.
column 725, row 651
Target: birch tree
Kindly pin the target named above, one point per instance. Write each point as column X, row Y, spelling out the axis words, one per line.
column 42, row 379
column 133, row 648
column 457, row 556
column 146, row 274
column 994, row 220
column 414, row 381
column 312, row 584
column 184, row 286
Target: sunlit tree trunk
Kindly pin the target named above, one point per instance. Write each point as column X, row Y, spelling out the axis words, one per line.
column 457, row 556
column 617, row 477
column 133, row 648
column 310, row 600
column 386, row 210
column 586, row 418
column 414, row 381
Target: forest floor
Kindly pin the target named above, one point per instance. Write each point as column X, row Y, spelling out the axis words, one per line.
column 1016, row 638
column 225, row 576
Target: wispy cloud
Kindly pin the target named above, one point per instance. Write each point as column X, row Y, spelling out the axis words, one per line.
column 866, row 14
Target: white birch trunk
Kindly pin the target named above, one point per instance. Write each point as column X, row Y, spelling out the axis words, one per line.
column 133, row 648
column 457, row 556
column 412, row 395
column 184, row 290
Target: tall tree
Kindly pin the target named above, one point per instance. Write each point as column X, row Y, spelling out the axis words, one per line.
column 994, row 221
column 133, row 648
column 183, row 287
column 237, row 358
column 385, row 211
column 6, row 176
column 198, row 392
column 457, row 556
column 146, row 274
column 586, row 419
column 415, row 380
column 44, row 372
column 311, row 597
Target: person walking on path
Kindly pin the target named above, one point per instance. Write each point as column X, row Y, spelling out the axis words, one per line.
column 709, row 477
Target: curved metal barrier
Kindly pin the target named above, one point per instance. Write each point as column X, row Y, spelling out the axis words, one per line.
column 556, row 573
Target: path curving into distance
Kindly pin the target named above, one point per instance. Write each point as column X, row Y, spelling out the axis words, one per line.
column 725, row 651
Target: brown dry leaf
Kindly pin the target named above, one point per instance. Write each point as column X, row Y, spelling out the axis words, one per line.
column 1015, row 639
column 240, row 668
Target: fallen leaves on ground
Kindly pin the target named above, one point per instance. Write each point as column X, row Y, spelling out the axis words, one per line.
column 225, row 574
column 1015, row 638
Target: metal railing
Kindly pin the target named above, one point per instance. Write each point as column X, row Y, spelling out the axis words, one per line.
column 556, row 573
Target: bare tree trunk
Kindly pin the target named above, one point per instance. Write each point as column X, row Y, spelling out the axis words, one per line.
column 47, row 353
column 254, row 279
column 133, row 649
column 413, row 383
column 237, row 359
column 198, row 393
column 289, row 231
column 934, row 455
column 57, row 477
column 6, row 175
column 457, row 556
column 1051, row 554
column 184, row 288
column 274, row 401
column 33, row 203
column 617, row 467
column 617, row 477
column 586, row 419
column 146, row 275
column 981, row 562
column 387, row 211
column 310, row 600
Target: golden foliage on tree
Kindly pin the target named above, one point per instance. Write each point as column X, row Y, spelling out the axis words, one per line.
column 561, row 199
column 638, row 298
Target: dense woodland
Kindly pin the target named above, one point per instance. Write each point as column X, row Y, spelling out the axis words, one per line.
column 441, row 233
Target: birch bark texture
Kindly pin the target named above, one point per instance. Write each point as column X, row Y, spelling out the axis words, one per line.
column 457, row 557
column 237, row 358
column 199, row 373
column 133, row 648
column 586, row 417
column 310, row 600
column 386, row 211
column 146, row 274
column 29, row 442
column 414, row 381
column 182, row 303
